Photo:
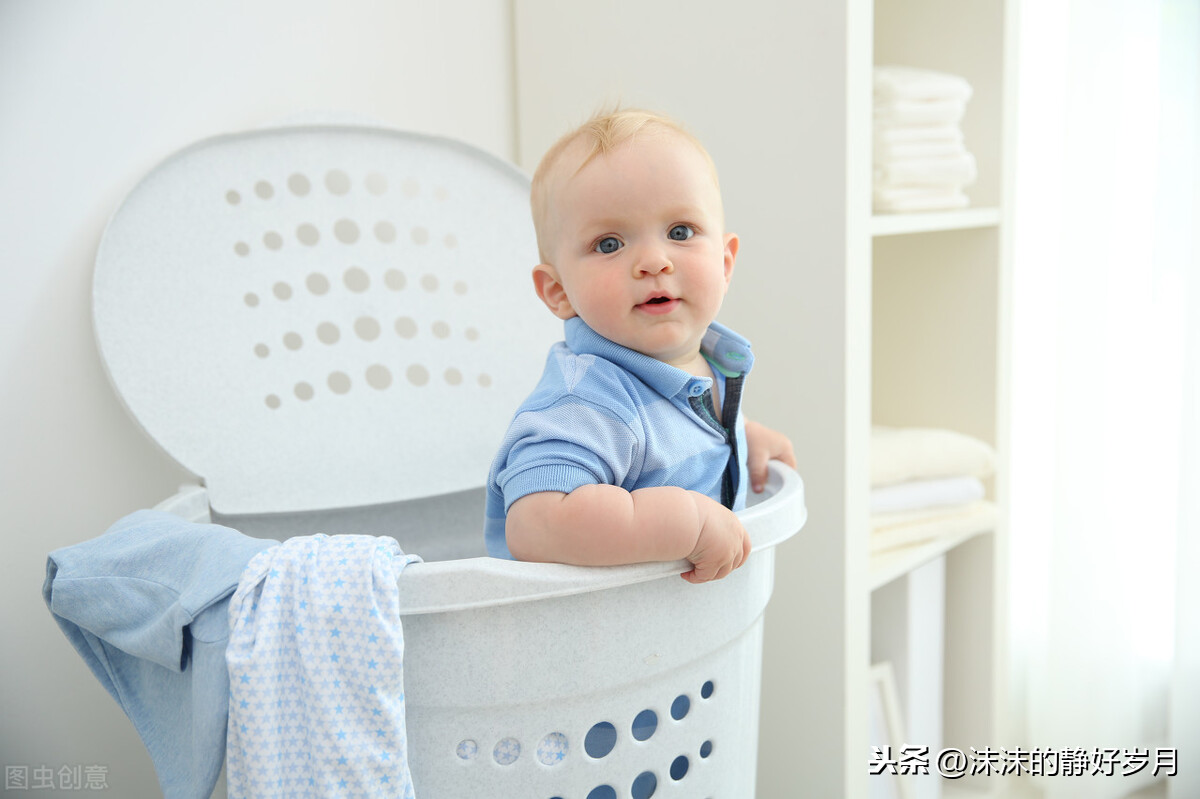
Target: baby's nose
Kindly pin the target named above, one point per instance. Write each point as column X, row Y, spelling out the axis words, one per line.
column 652, row 260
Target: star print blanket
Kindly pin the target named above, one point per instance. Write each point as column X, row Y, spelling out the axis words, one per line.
column 315, row 656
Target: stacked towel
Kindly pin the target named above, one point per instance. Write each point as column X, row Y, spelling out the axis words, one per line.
column 927, row 483
column 916, row 495
column 903, row 454
column 920, row 161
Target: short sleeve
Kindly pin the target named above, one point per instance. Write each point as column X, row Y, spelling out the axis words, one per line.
column 567, row 445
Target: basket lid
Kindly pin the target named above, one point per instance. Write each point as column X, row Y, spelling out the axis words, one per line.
column 324, row 316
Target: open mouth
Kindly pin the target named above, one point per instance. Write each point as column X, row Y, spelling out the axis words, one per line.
column 659, row 305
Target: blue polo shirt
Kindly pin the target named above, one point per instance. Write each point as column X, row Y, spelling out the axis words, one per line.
column 603, row 413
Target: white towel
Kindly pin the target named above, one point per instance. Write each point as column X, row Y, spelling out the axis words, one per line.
column 901, row 199
column 911, row 83
column 901, row 134
column 887, row 151
column 917, row 141
column 903, row 454
column 888, row 533
column 925, row 494
column 315, row 657
column 920, row 112
column 957, row 170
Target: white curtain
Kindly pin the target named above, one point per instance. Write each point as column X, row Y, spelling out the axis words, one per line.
column 1104, row 447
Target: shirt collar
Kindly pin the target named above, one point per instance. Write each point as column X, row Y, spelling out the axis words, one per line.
column 724, row 349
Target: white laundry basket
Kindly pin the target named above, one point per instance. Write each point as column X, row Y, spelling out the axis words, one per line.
column 332, row 325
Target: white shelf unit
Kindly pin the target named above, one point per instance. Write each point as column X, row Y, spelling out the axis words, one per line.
column 891, row 565
column 854, row 317
column 939, row 345
column 898, row 224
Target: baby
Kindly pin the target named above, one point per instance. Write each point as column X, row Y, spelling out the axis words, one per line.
column 632, row 447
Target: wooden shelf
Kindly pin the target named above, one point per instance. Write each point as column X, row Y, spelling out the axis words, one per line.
column 899, row 224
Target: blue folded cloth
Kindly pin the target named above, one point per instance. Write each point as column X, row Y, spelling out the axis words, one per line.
column 146, row 605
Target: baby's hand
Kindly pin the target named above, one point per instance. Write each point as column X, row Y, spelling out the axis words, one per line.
column 764, row 444
column 723, row 543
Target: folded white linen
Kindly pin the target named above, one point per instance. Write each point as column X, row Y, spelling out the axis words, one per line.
column 886, row 151
column 888, row 133
column 907, row 518
column 919, row 198
column 924, row 494
column 912, row 83
column 901, row 193
column 920, row 112
column 959, row 170
column 903, row 454
column 978, row 517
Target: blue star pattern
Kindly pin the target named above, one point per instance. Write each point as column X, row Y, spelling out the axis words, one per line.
column 315, row 657
column 552, row 749
column 467, row 749
column 507, row 751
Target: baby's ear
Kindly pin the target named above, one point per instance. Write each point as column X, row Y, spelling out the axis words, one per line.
column 731, row 251
column 550, row 291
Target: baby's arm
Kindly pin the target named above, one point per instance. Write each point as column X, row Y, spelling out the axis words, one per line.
column 605, row 525
column 764, row 444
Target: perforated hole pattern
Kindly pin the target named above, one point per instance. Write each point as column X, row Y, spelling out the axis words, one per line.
column 599, row 742
column 345, row 234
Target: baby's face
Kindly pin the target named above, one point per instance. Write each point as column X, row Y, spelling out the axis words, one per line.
column 640, row 249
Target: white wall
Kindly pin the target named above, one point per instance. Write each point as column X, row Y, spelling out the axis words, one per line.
column 92, row 95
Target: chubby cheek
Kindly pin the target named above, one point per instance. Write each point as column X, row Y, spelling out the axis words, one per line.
column 599, row 296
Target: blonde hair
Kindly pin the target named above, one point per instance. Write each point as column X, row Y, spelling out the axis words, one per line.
column 604, row 132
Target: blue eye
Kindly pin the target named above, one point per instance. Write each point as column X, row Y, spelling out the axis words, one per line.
column 681, row 233
column 608, row 244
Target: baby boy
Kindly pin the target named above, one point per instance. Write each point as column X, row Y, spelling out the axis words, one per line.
column 632, row 447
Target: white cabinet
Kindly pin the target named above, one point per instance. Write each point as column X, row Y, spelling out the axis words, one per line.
column 855, row 318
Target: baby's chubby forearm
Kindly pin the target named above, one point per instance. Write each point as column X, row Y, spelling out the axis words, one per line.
column 604, row 525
